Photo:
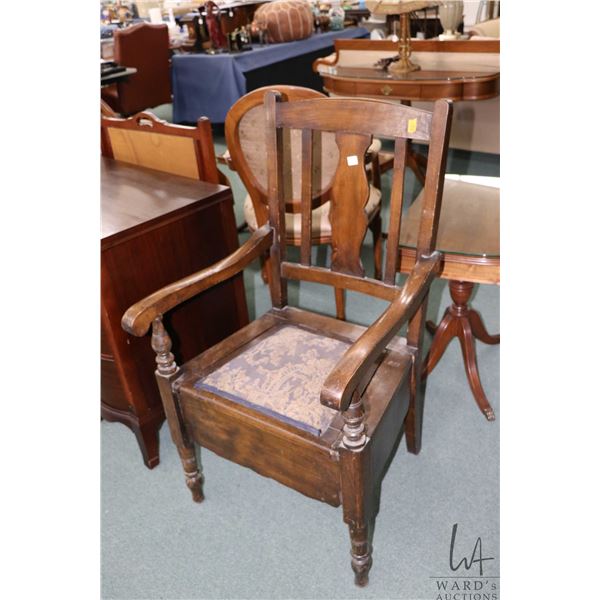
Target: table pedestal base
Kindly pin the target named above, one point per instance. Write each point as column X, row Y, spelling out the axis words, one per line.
column 466, row 324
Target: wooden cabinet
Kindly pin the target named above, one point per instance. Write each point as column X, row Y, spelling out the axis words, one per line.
column 157, row 228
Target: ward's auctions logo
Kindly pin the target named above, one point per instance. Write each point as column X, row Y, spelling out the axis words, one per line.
column 469, row 577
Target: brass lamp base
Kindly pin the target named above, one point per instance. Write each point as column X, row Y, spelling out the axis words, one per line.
column 401, row 66
column 404, row 64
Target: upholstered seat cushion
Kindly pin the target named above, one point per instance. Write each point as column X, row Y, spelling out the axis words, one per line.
column 321, row 226
column 281, row 374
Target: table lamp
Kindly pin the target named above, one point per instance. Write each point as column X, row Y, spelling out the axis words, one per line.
column 402, row 8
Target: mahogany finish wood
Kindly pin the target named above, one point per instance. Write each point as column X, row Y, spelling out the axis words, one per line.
column 470, row 246
column 423, row 85
column 349, row 81
column 466, row 324
column 155, row 227
column 372, row 387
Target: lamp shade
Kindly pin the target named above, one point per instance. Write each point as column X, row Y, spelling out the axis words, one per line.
column 399, row 7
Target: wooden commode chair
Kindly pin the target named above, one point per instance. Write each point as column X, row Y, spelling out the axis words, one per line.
column 313, row 402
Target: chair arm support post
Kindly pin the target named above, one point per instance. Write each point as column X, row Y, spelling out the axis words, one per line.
column 138, row 318
column 357, row 361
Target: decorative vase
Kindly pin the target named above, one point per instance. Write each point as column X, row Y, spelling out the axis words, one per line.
column 451, row 15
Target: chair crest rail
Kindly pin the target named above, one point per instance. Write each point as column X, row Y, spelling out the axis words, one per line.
column 341, row 114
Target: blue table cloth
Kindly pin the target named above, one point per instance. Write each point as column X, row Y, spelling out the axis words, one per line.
column 205, row 85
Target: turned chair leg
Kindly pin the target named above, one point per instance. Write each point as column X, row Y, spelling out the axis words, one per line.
column 466, row 324
column 193, row 472
column 361, row 552
column 166, row 372
column 357, row 493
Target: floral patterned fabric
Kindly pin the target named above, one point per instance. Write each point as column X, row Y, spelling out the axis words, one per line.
column 281, row 375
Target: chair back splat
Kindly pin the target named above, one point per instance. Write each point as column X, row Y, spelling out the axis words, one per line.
column 354, row 123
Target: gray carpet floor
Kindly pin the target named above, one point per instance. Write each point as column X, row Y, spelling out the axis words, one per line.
column 254, row 538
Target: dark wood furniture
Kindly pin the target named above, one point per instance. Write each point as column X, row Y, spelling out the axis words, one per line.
column 469, row 240
column 144, row 47
column 324, row 426
column 112, row 78
column 156, row 227
column 148, row 141
column 246, row 142
column 470, row 82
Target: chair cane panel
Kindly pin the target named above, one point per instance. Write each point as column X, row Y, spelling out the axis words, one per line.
column 157, row 151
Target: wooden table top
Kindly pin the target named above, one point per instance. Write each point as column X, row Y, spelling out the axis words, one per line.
column 469, row 219
column 459, row 70
column 439, row 74
column 478, row 84
column 133, row 196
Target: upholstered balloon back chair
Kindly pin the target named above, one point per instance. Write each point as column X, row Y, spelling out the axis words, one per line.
column 313, row 402
column 147, row 141
column 245, row 135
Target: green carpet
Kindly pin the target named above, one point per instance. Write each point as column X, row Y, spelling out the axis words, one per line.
column 254, row 538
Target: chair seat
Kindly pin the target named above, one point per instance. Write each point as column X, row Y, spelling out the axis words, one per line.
column 321, row 226
column 280, row 371
column 281, row 375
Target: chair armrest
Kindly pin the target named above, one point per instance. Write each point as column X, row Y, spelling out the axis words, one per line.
column 138, row 318
column 357, row 361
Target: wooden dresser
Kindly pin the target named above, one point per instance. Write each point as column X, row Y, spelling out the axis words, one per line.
column 157, row 228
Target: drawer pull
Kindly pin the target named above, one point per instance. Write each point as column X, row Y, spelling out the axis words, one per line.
column 386, row 90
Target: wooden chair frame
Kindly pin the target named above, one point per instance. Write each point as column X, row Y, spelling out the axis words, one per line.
column 147, row 122
column 374, row 386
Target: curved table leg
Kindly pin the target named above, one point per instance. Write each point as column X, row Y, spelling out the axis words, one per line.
column 479, row 330
column 443, row 334
column 467, row 344
column 465, row 323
